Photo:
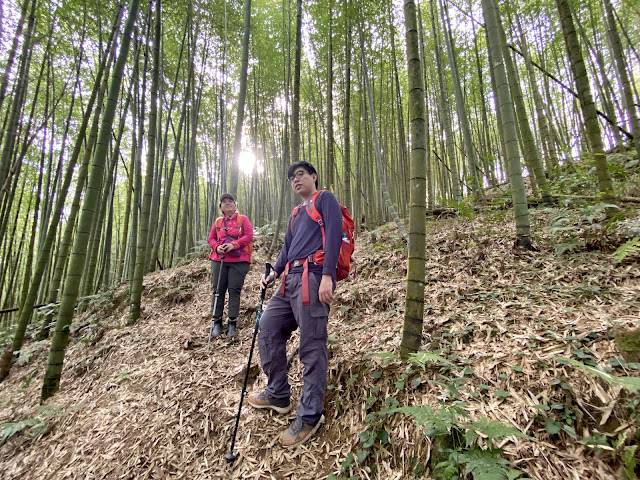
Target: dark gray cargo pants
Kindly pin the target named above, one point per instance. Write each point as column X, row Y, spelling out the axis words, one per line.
column 281, row 317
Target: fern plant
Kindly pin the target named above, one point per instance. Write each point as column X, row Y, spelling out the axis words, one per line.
column 35, row 427
column 631, row 384
column 485, row 464
column 422, row 359
column 581, row 227
column 629, row 247
column 9, row 429
column 470, row 458
column 464, row 208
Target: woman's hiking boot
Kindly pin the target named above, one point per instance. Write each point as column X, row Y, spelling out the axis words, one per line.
column 217, row 328
column 231, row 328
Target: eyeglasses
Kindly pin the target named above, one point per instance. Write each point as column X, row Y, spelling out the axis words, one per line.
column 299, row 174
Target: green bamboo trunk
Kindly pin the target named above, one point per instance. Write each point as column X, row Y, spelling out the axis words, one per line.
column 60, row 339
column 518, row 195
column 592, row 126
column 414, row 305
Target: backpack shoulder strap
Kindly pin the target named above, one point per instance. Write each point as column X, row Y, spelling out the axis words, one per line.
column 294, row 212
column 314, row 213
column 219, row 221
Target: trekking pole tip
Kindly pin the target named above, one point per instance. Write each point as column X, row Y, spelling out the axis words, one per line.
column 230, row 456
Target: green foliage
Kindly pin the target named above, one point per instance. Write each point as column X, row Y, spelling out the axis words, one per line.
column 351, row 381
column 631, row 384
column 387, row 357
column 629, row 228
column 422, row 359
column 9, row 429
column 483, row 464
column 27, row 353
column 628, row 343
column 629, row 463
column 554, row 427
column 615, row 446
column 466, row 447
column 590, row 213
column 29, row 379
column 464, row 207
column 48, row 310
column 375, row 435
column 36, row 426
column 102, row 301
column 200, row 249
column 501, row 394
column 579, row 228
column 442, row 420
column 630, row 247
column 470, row 459
column 173, row 293
column 267, row 229
column 580, row 179
column 435, row 422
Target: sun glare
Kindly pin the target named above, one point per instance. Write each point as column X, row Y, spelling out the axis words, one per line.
column 247, row 162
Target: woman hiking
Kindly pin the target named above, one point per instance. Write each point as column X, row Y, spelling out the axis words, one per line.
column 230, row 241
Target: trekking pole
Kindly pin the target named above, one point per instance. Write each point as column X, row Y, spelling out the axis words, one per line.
column 232, row 456
column 215, row 301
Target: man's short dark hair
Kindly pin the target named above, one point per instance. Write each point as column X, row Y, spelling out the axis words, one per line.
column 306, row 165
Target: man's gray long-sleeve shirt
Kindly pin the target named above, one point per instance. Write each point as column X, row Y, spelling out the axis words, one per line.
column 304, row 236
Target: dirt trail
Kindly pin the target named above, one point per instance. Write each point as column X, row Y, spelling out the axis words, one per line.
column 146, row 401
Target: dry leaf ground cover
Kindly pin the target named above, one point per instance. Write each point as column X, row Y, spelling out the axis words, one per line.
column 146, row 401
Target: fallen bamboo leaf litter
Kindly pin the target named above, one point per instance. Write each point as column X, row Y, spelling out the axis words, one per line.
column 147, row 402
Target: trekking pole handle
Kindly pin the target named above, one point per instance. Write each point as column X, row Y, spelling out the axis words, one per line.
column 267, row 271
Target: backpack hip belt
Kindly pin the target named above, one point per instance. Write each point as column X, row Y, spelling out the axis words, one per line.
column 304, row 263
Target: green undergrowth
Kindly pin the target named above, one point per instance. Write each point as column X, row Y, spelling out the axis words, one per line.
column 38, row 426
column 462, row 445
column 594, row 226
column 468, row 447
column 580, row 220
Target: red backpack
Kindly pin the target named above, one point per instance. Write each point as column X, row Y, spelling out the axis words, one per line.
column 348, row 243
column 346, row 248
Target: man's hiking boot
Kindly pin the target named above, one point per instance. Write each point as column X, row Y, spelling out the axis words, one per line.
column 231, row 328
column 262, row 400
column 299, row 432
column 217, row 328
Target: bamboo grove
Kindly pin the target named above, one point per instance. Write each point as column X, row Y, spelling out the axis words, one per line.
column 121, row 122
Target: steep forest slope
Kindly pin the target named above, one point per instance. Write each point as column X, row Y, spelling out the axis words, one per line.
column 146, row 401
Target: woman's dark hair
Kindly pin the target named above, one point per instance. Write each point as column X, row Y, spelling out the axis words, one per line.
column 306, row 165
column 226, row 196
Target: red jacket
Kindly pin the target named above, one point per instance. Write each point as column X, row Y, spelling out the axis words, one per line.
column 243, row 233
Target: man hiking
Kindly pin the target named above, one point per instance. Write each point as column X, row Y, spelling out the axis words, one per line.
column 302, row 301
